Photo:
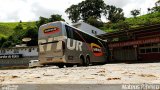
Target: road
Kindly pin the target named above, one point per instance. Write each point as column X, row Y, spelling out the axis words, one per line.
column 120, row 73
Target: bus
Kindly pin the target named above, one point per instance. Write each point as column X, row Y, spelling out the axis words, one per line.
column 63, row 45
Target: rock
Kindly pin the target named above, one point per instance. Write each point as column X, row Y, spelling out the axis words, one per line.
column 37, row 77
column 48, row 74
column 14, row 76
column 101, row 71
column 147, row 75
column 113, row 78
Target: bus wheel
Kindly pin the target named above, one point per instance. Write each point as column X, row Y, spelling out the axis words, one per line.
column 87, row 61
column 82, row 61
column 61, row 66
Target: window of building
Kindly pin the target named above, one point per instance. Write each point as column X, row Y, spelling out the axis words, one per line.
column 94, row 32
column 148, row 45
column 29, row 50
column 142, row 45
column 148, row 50
column 154, row 49
column 16, row 51
column 142, row 51
column 3, row 51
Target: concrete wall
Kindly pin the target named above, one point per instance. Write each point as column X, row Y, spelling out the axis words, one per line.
column 16, row 62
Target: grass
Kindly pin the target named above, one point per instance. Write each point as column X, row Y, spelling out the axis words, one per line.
column 7, row 28
column 148, row 19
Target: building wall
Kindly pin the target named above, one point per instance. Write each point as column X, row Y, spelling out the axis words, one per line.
column 28, row 53
column 89, row 28
column 124, row 54
column 149, row 52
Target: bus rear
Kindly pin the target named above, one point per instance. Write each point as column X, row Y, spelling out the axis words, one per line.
column 51, row 43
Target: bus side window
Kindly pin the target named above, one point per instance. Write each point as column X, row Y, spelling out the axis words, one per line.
column 78, row 35
column 69, row 31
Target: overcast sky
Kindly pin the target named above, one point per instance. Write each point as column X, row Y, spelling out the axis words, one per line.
column 30, row 10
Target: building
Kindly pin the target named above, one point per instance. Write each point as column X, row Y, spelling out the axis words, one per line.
column 18, row 56
column 88, row 28
column 137, row 44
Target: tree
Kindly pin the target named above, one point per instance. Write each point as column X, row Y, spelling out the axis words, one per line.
column 42, row 20
column 18, row 28
column 113, row 13
column 53, row 17
column 91, row 8
column 74, row 13
column 135, row 12
column 2, row 40
column 157, row 3
column 157, row 6
column 93, row 21
column 86, row 9
column 31, row 32
column 6, row 44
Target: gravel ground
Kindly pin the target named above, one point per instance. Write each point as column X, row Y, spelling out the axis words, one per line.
column 104, row 74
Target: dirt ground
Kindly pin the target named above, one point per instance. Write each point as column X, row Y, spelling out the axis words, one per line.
column 119, row 73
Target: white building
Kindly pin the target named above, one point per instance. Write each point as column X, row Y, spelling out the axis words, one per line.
column 24, row 51
column 88, row 28
column 18, row 56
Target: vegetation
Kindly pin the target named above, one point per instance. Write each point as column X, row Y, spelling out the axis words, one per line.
column 11, row 34
column 135, row 12
column 54, row 17
column 89, row 11
column 153, row 17
column 114, row 14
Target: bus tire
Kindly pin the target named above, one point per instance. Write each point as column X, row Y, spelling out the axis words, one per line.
column 82, row 61
column 87, row 61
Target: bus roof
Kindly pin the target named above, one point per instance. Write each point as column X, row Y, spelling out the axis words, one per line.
column 83, row 31
column 62, row 22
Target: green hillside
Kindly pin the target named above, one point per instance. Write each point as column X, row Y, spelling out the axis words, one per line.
column 6, row 29
column 153, row 18
column 131, row 23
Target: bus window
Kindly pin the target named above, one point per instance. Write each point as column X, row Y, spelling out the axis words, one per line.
column 69, row 32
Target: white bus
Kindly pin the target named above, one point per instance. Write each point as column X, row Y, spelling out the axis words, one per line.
column 61, row 44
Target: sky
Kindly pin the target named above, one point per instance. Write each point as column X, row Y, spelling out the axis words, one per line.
column 31, row 10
